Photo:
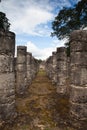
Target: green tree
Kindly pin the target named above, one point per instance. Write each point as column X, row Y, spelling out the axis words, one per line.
column 4, row 22
column 69, row 19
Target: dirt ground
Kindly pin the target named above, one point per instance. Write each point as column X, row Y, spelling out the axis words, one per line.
column 42, row 108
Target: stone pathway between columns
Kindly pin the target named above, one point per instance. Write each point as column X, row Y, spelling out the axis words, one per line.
column 42, row 108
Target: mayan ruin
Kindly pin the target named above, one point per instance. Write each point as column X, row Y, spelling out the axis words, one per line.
column 43, row 65
column 67, row 74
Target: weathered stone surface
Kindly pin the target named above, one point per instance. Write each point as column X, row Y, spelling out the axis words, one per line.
column 7, row 37
column 29, row 70
column 79, row 36
column 79, row 94
column 49, row 67
column 54, row 69
column 21, row 70
column 57, row 70
column 7, row 76
column 4, row 63
column 78, row 111
column 78, row 76
column 61, row 70
column 80, row 58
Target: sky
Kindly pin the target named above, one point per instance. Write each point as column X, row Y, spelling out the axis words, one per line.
column 31, row 21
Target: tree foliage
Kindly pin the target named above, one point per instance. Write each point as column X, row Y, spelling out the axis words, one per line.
column 4, row 22
column 69, row 19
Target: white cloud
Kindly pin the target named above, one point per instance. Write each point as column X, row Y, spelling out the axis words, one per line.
column 45, row 52
column 59, row 43
column 37, row 52
column 25, row 16
column 32, row 17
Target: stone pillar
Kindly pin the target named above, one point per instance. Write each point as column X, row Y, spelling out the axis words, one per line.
column 21, row 73
column 49, row 67
column 61, row 70
column 33, row 67
column 78, row 78
column 29, row 69
column 7, row 76
column 36, row 67
column 54, row 79
column 68, row 77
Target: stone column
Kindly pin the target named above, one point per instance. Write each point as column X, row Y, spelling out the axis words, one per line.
column 78, row 95
column 49, row 67
column 21, row 75
column 54, row 79
column 36, row 66
column 33, row 67
column 7, row 76
column 29, row 70
column 61, row 70
column 68, row 77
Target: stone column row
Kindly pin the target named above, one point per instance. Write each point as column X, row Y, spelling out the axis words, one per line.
column 16, row 74
column 70, row 73
column 56, row 68
column 26, row 69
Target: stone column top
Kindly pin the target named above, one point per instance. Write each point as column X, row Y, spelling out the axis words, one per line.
column 6, row 33
column 22, row 47
column 53, row 53
column 79, row 35
column 29, row 53
column 7, row 42
column 78, row 41
column 61, row 49
column 21, row 50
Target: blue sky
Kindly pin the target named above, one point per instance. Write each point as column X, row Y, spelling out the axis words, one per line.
column 31, row 21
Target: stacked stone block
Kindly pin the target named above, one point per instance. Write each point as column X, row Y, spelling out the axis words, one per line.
column 33, row 67
column 7, row 76
column 21, row 70
column 54, row 68
column 49, row 67
column 36, row 67
column 61, row 70
column 29, row 68
column 78, row 78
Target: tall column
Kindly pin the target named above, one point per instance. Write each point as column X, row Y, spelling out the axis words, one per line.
column 29, row 69
column 7, row 76
column 32, row 67
column 61, row 70
column 54, row 78
column 21, row 73
column 78, row 78
column 49, row 67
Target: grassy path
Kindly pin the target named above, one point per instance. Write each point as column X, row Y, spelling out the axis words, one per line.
column 40, row 109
